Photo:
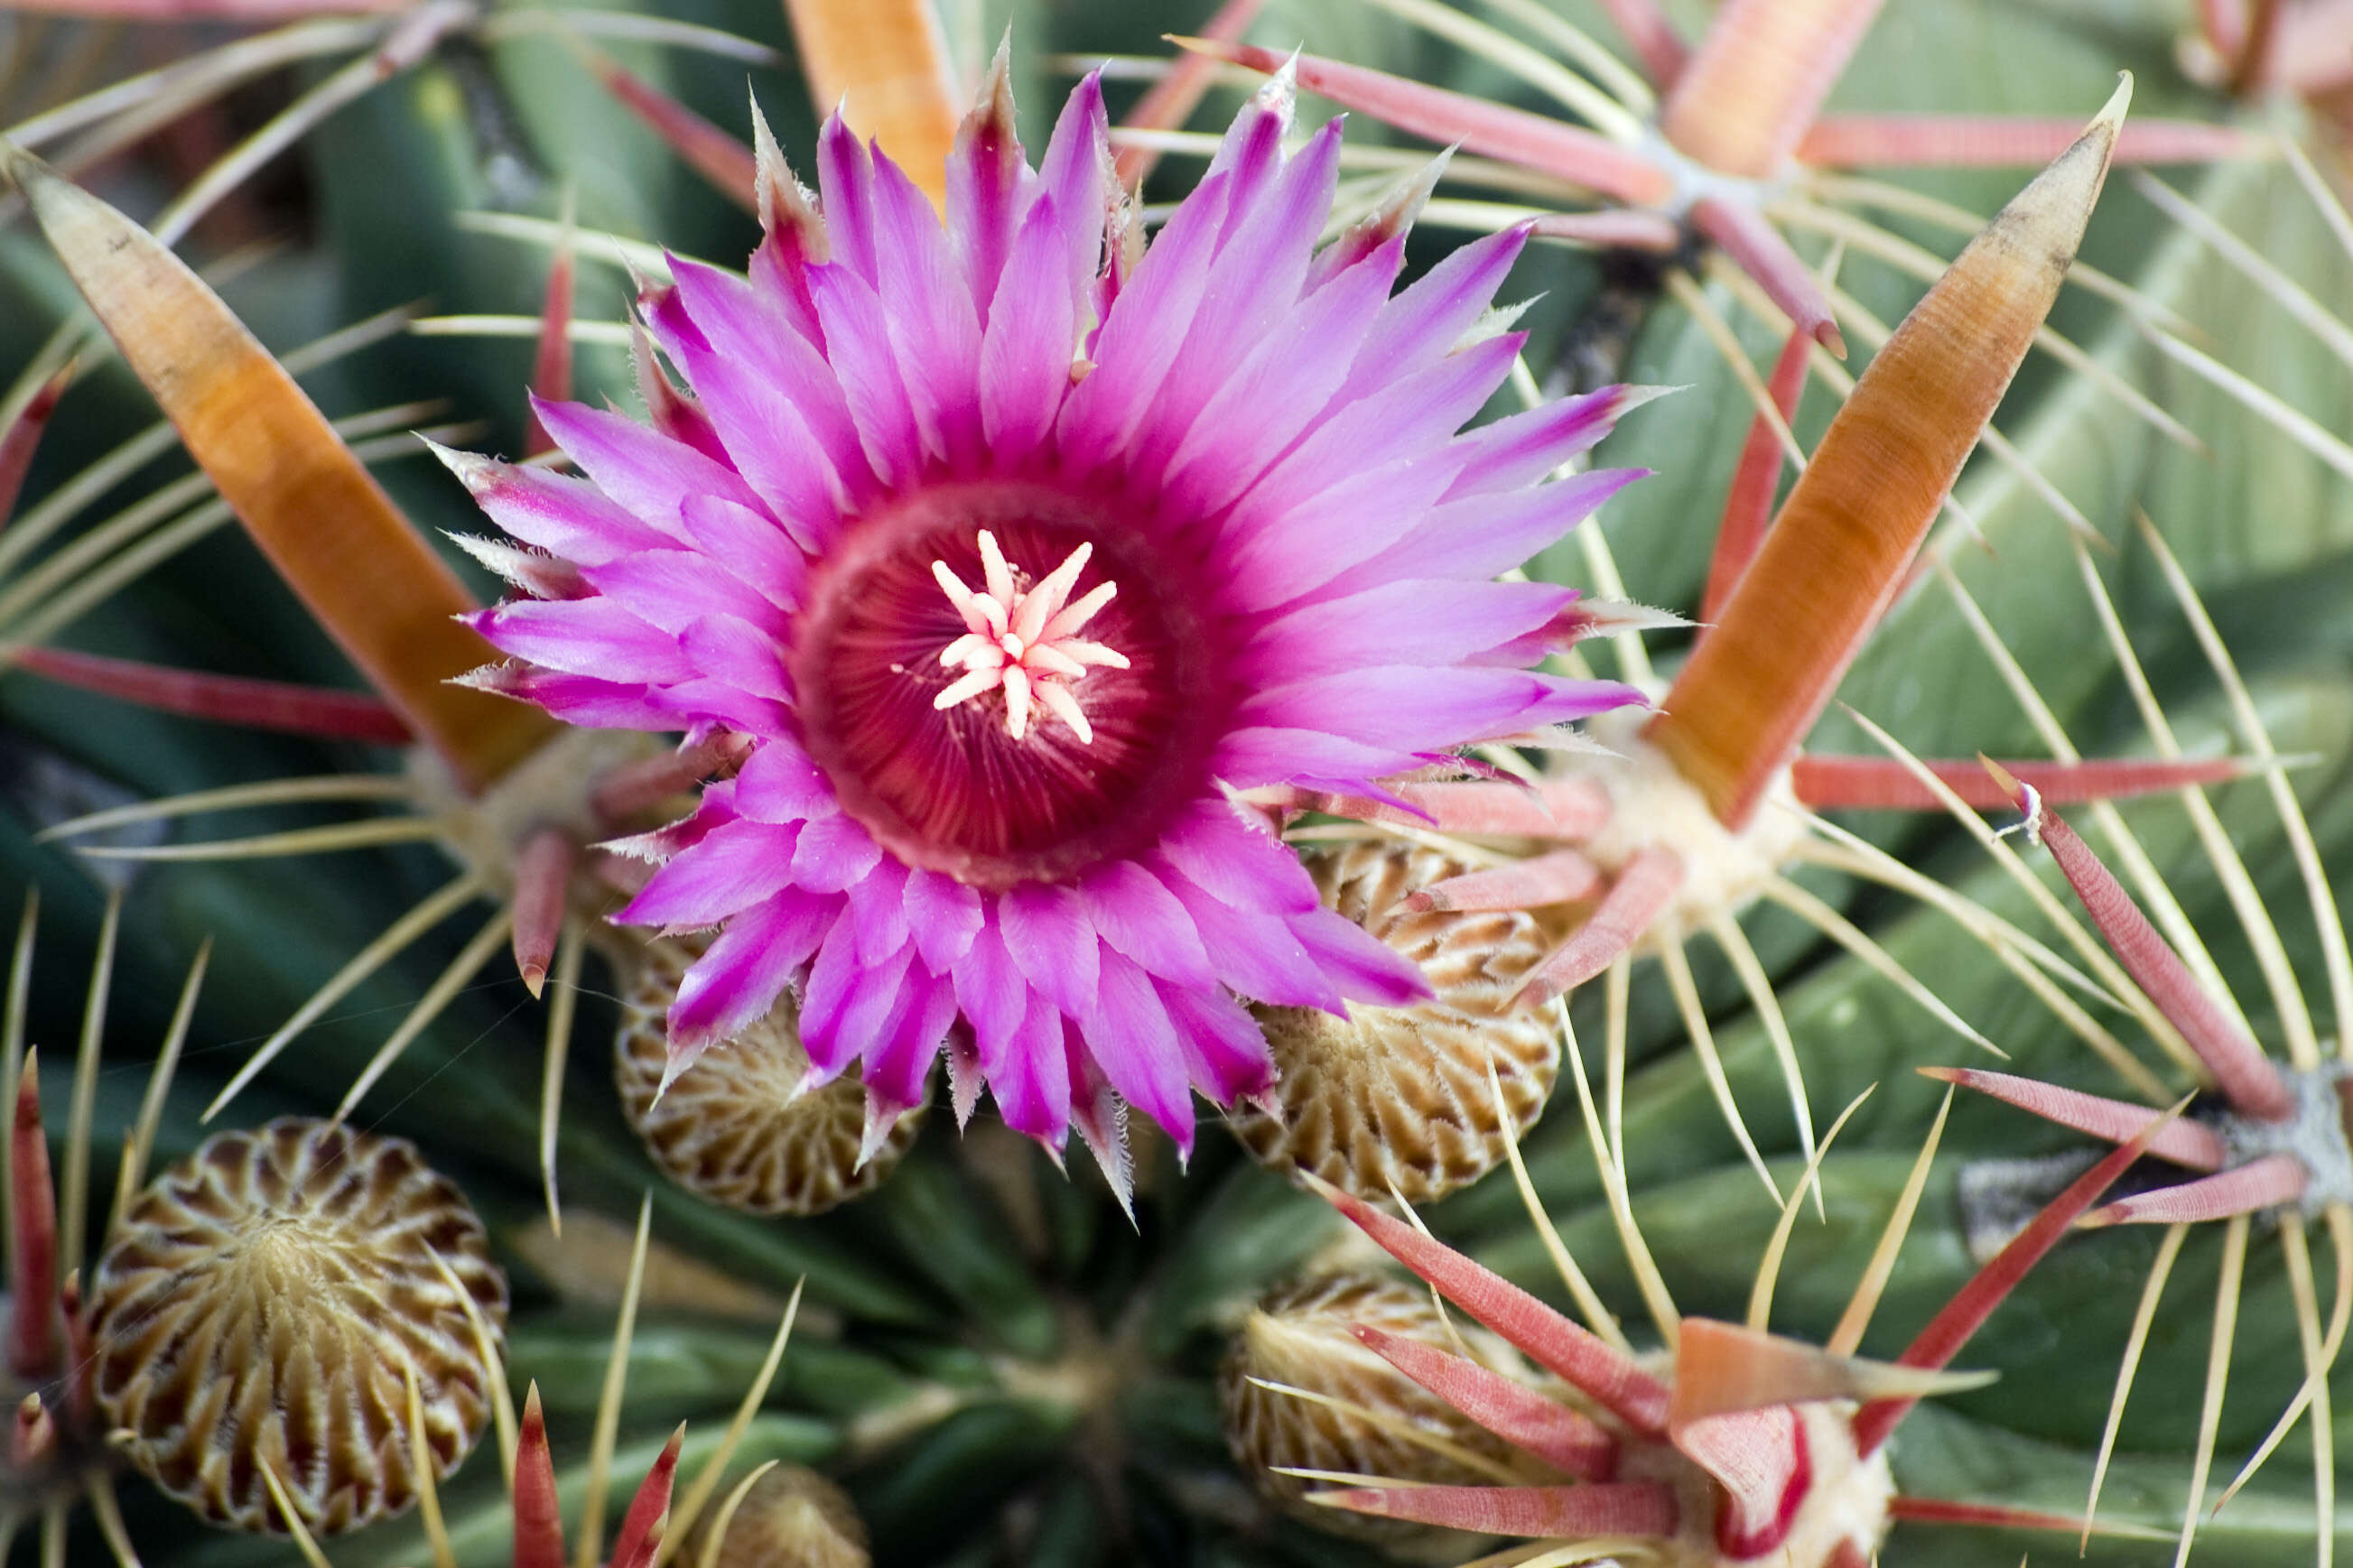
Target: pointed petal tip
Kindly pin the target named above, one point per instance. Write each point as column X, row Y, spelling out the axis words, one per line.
column 995, row 95
column 472, row 469
column 1216, row 48
column 23, row 170
column 881, row 1117
column 1632, row 396
column 2112, row 114
column 683, row 1050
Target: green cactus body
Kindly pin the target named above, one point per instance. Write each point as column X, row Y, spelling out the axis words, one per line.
column 993, row 1362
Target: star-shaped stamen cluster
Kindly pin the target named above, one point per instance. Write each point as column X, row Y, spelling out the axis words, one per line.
column 1025, row 640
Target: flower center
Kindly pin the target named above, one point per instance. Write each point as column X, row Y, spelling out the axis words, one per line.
column 996, row 727
column 1025, row 643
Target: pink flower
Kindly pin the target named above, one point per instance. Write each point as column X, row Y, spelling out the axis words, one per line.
column 1008, row 627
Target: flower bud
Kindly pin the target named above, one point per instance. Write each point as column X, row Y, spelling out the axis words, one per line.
column 737, row 1127
column 260, row 1305
column 1399, row 1097
column 1299, row 1336
column 790, row 1518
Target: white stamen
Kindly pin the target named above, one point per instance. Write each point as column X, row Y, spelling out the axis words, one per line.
column 970, row 650
column 1065, row 707
column 972, row 685
column 1022, row 641
column 1070, row 618
column 1047, row 660
column 1093, row 653
column 1017, row 700
column 958, row 595
column 999, row 575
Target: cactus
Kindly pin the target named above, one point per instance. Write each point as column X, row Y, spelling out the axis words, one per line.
column 998, row 1358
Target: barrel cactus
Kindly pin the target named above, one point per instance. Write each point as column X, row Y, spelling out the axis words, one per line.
column 1007, row 590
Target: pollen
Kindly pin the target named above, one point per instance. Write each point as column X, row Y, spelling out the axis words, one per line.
column 1025, row 641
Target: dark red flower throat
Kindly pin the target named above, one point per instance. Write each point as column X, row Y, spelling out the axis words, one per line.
column 999, row 788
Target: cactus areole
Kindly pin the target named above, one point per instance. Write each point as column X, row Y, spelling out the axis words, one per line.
column 1831, row 1511
column 1007, row 582
column 1738, row 1447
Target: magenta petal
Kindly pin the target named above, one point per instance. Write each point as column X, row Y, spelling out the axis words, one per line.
column 832, row 853
column 1413, row 414
column 779, row 784
column 1045, row 932
column 584, row 637
column 566, row 517
column 754, row 549
column 773, row 399
column 1435, row 623
column 943, row 915
column 1428, row 318
column 1409, row 709
column 770, row 443
column 1523, row 447
column 1252, row 284
column 1365, row 968
column 1137, row 917
column 722, row 702
column 1146, row 330
column 1129, row 1036
column 743, row 329
column 1075, row 176
column 739, row 977
column 1268, row 755
column 989, row 191
column 1250, row 152
column 934, row 327
column 993, row 996
column 733, row 866
column 845, row 183
column 1483, row 535
column 580, row 699
column 1025, row 358
column 1255, row 952
column 878, row 908
column 900, row 1061
column 1236, row 862
column 825, row 992
column 1225, row 1053
column 745, row 656
column 648, row 475
column 669, row 588
column 1032, row 1088
column 858, row 345
column 1280, row 389
column 838, row 1024
column 1303, row 550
